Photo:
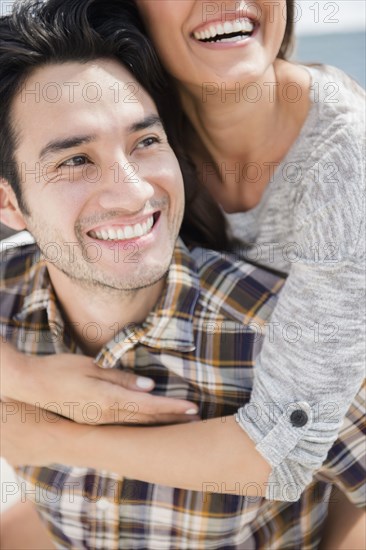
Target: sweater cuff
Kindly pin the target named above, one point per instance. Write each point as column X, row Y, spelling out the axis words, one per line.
column 291, row 439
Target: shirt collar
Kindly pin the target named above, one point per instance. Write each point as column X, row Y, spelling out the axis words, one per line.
column 39, row 294
column 170, row 324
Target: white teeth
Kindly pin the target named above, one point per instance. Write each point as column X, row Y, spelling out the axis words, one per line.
column 247, row 25
column 129, row 233
column 228, row 27
column 124, row 233
column 138, row 230
column 237, row 26
column 232, row 39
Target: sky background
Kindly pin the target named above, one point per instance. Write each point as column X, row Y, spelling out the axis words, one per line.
column 324, row 16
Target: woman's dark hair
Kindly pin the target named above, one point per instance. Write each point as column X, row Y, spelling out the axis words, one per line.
column 38, row 33
column 181, row 127
column 288, row 39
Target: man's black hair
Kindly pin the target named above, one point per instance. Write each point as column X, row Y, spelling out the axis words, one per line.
column 39, row 33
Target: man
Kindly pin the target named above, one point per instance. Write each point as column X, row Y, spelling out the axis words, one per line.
column 105, row 203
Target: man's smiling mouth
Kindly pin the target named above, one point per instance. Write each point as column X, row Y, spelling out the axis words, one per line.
column 228, row 31
column 124, row 232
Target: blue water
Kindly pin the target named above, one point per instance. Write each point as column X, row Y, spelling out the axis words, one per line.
column 343, row 50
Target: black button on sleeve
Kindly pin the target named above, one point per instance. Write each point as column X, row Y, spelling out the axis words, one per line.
column 298, row 418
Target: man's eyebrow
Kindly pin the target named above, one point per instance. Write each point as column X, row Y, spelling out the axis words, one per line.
column 57, row 145
column 147, row 122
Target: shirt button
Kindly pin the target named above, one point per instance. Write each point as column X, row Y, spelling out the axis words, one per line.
column 298, row 418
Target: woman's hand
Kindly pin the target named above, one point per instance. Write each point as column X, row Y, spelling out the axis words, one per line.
column 73, row 386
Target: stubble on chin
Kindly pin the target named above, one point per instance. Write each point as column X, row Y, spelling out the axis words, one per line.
column 71, row 258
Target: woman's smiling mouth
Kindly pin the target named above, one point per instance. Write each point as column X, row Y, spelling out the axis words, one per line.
column 228, row 31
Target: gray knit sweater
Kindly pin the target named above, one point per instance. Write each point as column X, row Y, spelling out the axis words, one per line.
column 310, row 224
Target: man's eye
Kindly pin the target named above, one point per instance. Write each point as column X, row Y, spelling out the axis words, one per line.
column 147, row 142
column 78, row 160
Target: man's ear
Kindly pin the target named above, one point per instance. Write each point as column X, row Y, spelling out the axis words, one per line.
column 10, row 213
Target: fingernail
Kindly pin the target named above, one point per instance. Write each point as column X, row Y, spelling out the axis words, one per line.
column 192, row 411
column 143, row 382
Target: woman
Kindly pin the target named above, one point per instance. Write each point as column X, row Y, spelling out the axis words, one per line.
column 278, row 147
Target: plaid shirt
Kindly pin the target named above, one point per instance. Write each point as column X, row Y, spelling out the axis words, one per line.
column 197, row 344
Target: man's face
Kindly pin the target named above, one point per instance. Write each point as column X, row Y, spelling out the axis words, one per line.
column 101, row 183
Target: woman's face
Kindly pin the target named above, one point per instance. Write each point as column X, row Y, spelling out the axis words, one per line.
column 226, row 43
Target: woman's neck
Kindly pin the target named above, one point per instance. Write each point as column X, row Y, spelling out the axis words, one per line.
column 239, row 135
column 228, row 124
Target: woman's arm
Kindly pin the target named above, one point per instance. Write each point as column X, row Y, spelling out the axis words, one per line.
column 313, row 355
column 309, row 371
column 35, row 380
column 213, row 455
column 210, row 456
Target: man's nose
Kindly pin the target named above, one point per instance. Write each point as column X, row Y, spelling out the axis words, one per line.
column 123, row 186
